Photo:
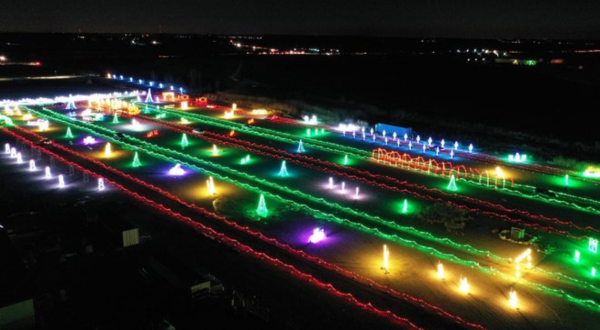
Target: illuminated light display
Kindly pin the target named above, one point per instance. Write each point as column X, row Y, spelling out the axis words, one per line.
column 19, row 158
column 176, row 170
column 577, row 256
column 229, row 114
column 215, row 150
column 354, row 135
column 184, row 121
column 47, row 173
column 471, row 148
column 398, row 143
column 383, row 133
column 356, row 192
column 345, row 159
column 61, row 181
column 418, row 139
column 499, row 172
column 405, row 137
column 283, row 170
column 184, row 105
column 262, row 210
column 437, row 151
column 566, row 180
column 452, row 183
column 372, row 131
column 451, row 154
column 442, row 143
column 386, row 259
column 89, row 140
column 13, row 152
column 518, row 270
column 374, row 137
column 593, row 272
column 385, row 139
column 517, row 158
column 429, row 141
column 43, row 125
column 300, row 147
column 210, row 184
column 424, row 147
column 7, row 148
column 592, row 172
column 409, row 145
column 343, row 189
column 464, row 285
column 455, row 145
column 107, row 150
column 330, row 186
column 440, row 270
column 184, row 141
column 135, row 123
column 317, row 235
column 69, row 134
column 27, row 117
column 513, row 300
column 405, row 206
column 364, row 136
column 100, row 184
column 245, row 160
column 259, row 111
column 71, row 103
column 394, row 136
column 115, row 119
column 233, row 106
column 308, row 132
column 136, row 160
column 32, row 165
column 593, row 245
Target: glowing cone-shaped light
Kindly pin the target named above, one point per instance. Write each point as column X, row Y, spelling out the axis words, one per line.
column 13, row 152
column 567, row 180
column 61, row 181
column 386, row 259
column 136, row 160
column 115, row 119
column 464, row 285
column 300, row 147
column 577, row 256
column 405, row 206
column 429, row 141
column 7, row 148
column 409, row 145
column 440, row 270
column 471, row 148
column 330, row 183
column 455, row 145
column 101, row 184
column 69, row 134
column 48, row 174
column 593, row 272
column 418, row 138
column 383, row 133
column 135, row 123
column 398, row 143
column 317, row 235
column 372, row 131
column 424, row 147
column 210, row 183
column 184, row 141
column 405, row 137
column 442, row 143
column 364, row 136
column 437, row 151
column 451, row 154
column 374, row 137
column 345, row 159
column 261, row 210
column 513, row 299
column 394, row 136
column 343, row 187
column 452, row 183
column 19, row 158
column 385, row 140
column 283, row 170
column 107, row 150
column 356, row 192
column 308, row 132
column 215, row 151
column 32, row 165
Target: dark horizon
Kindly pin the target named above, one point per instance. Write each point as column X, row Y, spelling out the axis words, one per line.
column 431, row 19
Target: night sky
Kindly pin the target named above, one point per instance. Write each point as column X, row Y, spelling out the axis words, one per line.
column 578, row 19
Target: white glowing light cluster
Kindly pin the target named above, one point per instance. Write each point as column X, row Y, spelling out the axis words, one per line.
column 517, row 158
column 63, row 99
column 310, row 120
column 210, row 183
column 317, row 235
